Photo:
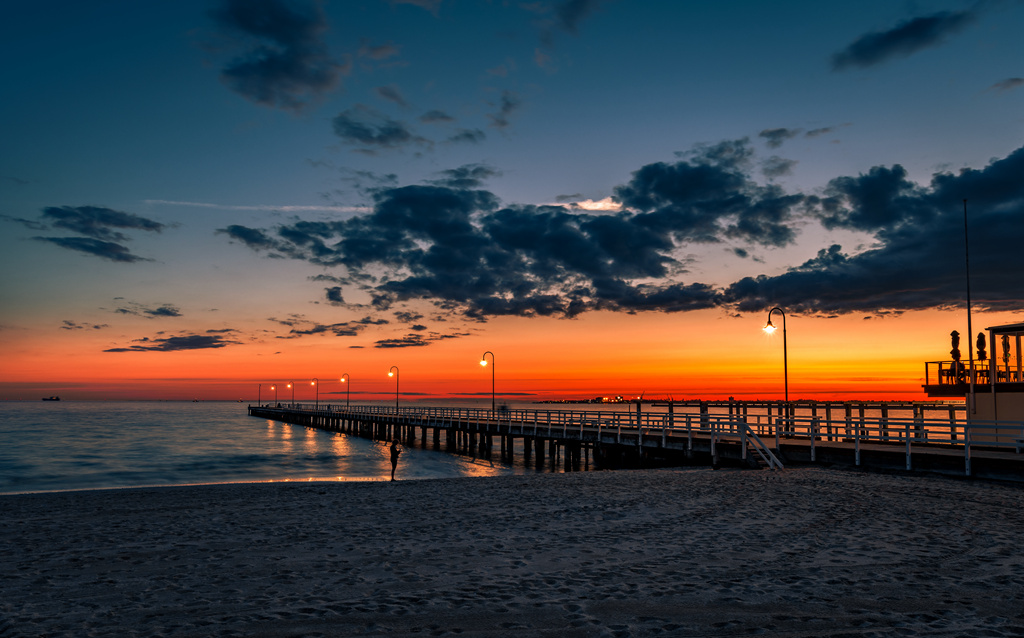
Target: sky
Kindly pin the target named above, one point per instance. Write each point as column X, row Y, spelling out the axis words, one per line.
column 210, row 198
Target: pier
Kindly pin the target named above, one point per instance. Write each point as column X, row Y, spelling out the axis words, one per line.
column 932, row 437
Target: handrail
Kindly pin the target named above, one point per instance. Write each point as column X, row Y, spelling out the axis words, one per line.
column 847, row 428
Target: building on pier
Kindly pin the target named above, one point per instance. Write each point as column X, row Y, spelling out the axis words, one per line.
column 997, row 375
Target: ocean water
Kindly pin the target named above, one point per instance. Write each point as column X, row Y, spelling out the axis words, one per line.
column 69, row 445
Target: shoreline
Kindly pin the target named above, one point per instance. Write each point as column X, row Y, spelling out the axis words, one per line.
column 692, row 551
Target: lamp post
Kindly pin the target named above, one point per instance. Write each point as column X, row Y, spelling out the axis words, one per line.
column 259, row 394
column 348, row 386
column 274, row 388
column 292, row 386
column 483, row 362
column 770, row 328
column 393, row 372
column 316, row 383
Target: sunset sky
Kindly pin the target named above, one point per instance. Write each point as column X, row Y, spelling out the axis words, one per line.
column 199, row 198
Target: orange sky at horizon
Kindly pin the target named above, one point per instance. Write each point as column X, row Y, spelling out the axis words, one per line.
column 705, row 354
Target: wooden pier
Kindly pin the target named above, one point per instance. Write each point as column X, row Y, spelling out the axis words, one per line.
column 932, row 438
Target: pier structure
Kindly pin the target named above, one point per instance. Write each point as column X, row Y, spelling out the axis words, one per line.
column 888, row 435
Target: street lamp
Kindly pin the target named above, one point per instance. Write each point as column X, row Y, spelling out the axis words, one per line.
column 292, row 386
column 394, row 373
column 259, row 394
column 770, row 328
column 348, row 386
column 274, row 388
column 483, row 362
column 316, row 383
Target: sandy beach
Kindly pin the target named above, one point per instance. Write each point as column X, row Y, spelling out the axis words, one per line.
column 688, row 552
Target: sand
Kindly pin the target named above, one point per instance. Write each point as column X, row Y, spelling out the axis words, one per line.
column 688, row 552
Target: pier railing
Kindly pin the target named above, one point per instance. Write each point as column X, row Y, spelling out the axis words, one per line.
column 827, row 426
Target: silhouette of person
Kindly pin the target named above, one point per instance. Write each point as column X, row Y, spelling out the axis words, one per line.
column 395, row 451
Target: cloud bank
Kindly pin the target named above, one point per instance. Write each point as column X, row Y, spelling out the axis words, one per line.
column 455, row 245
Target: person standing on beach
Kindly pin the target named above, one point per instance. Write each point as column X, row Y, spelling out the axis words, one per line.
column 394, row 457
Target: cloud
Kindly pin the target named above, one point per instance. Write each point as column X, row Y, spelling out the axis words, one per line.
column 97, row 222
column 776, row 166
column 302, row 327
column 105, row 249
column 1007, row 84
column 74, row 325
column 139, row 310
column 364, row 127
column 287, row 65
column 469, row 136
column 507, row 105
column 467, row 176
column 391, row 93
column 562, row 15
column 917, row 262
column 179, row 343
column 775, row 137
column 710, row 197
column 99, row 226
column 825, row 130
column 434, row 116
column 408, row 317
column 470, row 256
column 902, row 40
column 413, row 340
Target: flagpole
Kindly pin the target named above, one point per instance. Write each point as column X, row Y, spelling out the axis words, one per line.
column 971, row 408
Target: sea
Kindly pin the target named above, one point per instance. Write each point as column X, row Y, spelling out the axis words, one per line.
column 78, row 445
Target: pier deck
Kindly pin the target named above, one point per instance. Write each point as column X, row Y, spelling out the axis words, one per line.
column 624, row 439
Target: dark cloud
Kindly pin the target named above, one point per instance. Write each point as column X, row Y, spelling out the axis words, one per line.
column 248, row 236
column 139, row 310
column 882, row 198
column 468, row 136
column 776, row 166
column 178, row 343
column 97, row 222
column 105, row 249
column 775, row 137
column 364, row 127
column 288, row 65
column 391, row 93
column 1007, row 84
column 334, row 295
column 302, row 327
column 507, row 105
column 917, row 261
column 708, row 197
column 74, row 325
column 412, row 340
column 434, row 116
column 825, row 130
column 99, row 226
column 466, row 177
column 14, row 180
column 901, row 41
column 460, row 250
column 570, row 13
column 408, row 341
